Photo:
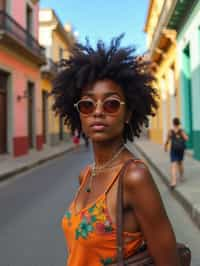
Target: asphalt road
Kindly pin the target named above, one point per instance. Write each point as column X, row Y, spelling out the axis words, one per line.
column 32, row 206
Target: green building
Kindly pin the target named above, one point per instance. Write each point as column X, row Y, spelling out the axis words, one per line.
column 185, row 19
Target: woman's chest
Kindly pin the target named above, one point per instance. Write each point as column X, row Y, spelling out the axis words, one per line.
column 90, row 225
column 94, row 188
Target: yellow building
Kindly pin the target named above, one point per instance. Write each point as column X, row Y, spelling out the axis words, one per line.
column 58, row 41
column 162, row 47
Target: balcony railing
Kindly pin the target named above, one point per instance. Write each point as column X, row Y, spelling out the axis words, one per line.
column 50, row 67
column 166, row 11
column 11, row 27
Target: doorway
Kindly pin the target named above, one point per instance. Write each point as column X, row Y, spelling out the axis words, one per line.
column 3, row 111
column 30, row 107
column 187, row 95
column 3, row 5
column 44, row 116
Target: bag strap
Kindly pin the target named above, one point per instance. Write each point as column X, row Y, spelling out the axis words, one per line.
column 119, row 214
column 179, row 132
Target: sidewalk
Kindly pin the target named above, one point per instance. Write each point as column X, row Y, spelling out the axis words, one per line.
column 187, row 192
column 10, row 166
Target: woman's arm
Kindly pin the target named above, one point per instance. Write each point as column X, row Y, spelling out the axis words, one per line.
column 144, row 197
column 167, row 140
column 184, row 135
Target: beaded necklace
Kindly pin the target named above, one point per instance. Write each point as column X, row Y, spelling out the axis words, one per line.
column 96, row 169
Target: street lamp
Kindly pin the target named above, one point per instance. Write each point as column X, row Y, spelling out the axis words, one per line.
column 23, row 96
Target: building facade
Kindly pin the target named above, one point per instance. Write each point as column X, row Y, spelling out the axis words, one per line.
column 185, row 19
column 162, row 47
column 58, row 41
column 174, row 47
column 21, row 57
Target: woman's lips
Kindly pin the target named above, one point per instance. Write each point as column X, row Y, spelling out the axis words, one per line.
column 98, row 127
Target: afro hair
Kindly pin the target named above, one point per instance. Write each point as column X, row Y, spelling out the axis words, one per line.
column 87, row 65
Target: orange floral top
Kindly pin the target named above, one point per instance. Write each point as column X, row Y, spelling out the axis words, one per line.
column 91, row 235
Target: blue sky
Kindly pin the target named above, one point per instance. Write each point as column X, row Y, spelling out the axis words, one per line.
column 104, row 19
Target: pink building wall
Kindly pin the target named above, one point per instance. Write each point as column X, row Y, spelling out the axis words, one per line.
column 23, row 71
column 21, row 74
column 18, row 12
column 36, row 21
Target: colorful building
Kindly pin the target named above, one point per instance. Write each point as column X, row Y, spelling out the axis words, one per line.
column 185, row 19
column 21, row 57
column 173, row 38
column 58, row 41
column 162, row 46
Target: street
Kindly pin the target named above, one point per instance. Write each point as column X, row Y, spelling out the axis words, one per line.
column 32, row 205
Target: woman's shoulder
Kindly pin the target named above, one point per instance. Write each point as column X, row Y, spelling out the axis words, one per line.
column 139, row 185
column 137, row 174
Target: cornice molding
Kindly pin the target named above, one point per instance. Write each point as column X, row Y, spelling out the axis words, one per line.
column 166, row 12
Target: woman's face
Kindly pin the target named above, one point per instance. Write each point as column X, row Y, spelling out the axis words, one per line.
column 101, row 125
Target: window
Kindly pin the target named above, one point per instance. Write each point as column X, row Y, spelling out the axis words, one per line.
column 29, row 19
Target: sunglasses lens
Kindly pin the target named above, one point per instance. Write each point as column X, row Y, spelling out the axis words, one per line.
column 111, row 106
column 86, row 107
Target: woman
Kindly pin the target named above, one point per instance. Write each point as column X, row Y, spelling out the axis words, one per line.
column 177, row 137
column 107, row 94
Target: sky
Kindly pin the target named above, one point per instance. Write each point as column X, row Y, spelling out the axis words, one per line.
column 104, row 19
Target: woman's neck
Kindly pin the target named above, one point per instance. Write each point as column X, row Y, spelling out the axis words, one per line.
column 104, row 151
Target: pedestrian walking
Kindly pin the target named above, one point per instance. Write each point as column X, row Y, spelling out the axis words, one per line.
column 177, row 138
column 107, row 93
column 86, row 140
column 76, row 139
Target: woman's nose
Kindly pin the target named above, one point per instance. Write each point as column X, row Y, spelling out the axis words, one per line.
column 99, row 108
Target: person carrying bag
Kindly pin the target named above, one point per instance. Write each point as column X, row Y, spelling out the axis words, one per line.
column 107, row 93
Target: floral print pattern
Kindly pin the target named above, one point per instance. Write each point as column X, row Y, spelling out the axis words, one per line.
column 68, row 216
column 84, row 229
column 95, row 218
column 106, row 261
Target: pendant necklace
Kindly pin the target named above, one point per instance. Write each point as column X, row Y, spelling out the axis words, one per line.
column 95, row 169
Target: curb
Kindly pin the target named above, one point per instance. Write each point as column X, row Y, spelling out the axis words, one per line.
column 192, row 210
column 25, row 168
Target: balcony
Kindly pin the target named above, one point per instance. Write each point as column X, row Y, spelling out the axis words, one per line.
column 50, row 69
column 173, row 15
column 181, row 13
column 15, row 37
column 166, row 11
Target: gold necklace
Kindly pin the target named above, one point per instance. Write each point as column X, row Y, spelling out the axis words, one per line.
column 102, row 167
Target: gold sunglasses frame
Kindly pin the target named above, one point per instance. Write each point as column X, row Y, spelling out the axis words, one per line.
column 95, row 104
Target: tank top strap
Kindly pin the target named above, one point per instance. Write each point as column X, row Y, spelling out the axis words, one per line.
column 85, row 174
column 117, row 174
column 114, row 179
column 84, row 179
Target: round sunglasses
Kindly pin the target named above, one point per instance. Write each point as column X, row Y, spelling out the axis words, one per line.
column 87, row 107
